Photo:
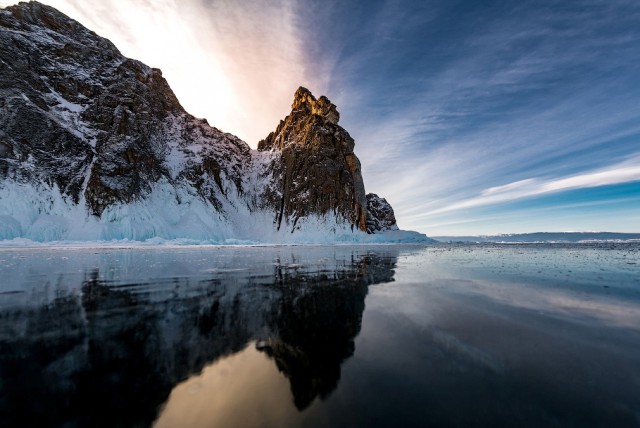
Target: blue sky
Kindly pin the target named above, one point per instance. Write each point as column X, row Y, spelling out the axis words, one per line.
column 489, row 117
column 470, row 117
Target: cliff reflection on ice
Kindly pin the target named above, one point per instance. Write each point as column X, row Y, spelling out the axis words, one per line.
column 100, row 338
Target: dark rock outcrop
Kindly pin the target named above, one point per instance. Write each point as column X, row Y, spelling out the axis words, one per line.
column 317, row 171
column 380, row 215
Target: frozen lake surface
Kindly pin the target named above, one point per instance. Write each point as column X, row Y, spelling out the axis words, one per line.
column 523, row 335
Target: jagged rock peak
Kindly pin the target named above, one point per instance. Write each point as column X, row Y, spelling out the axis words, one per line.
column 317, row 171
column 303, row 100
column 308, row 113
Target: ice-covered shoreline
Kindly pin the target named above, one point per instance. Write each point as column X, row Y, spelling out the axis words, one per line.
column 387, row 238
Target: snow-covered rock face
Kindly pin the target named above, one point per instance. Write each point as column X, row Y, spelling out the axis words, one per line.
column 100, row 127
column 96, row 146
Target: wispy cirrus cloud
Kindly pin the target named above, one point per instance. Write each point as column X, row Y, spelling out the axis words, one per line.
column 624, row 172
column 475, row 97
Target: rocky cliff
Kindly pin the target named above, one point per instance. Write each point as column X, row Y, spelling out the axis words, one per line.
column 94, row 145
column 316, row 170
column 380, row 216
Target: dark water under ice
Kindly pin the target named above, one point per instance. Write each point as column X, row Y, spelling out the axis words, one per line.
column 441, row 335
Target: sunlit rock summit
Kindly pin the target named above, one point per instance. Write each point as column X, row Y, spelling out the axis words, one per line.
column 96, row 146
column 315, row 170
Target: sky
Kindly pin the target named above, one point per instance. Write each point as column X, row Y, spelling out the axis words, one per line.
column 469, row 117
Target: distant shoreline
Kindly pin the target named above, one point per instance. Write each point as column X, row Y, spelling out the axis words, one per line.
column 545, row 237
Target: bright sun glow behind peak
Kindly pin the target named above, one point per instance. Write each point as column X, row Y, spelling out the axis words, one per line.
column 218, row 58
column 208, row 91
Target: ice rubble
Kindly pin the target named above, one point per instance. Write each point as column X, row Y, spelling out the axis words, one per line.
column 170, row 215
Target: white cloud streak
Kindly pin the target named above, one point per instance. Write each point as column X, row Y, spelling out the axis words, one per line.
column 616, row 174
